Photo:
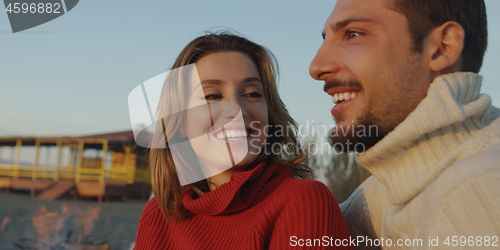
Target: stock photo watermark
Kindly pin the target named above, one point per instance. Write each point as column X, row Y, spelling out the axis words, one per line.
column 315, row 138
column 26, row 14
column 205, row 136
column 449, row 241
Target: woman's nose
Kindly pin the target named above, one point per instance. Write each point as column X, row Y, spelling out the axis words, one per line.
column 233, row 105
column 231, row 109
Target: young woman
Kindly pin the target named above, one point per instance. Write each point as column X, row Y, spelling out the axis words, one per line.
column 223, row 120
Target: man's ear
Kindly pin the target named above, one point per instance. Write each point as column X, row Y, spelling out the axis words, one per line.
column 444, row 45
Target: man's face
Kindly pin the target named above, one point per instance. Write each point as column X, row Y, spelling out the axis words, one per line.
column 369, row 70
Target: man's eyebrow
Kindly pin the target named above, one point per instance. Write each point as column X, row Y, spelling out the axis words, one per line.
column 341, row 24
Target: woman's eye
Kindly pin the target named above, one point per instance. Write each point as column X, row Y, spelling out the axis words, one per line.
column 212, row 97
column 254, row 95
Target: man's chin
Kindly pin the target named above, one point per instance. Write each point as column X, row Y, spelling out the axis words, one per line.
column 354, row 138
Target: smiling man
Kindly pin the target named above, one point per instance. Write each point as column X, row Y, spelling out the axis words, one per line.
column 402, row 75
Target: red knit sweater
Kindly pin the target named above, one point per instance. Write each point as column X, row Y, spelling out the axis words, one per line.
column 263, row 208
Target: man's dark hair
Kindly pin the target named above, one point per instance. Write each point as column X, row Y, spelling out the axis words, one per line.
column 425, row 15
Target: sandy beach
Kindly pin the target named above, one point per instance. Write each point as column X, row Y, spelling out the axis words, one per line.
column 27, row 223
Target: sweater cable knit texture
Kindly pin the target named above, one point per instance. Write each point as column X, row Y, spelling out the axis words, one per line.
column 257, row 209
column 436, row 174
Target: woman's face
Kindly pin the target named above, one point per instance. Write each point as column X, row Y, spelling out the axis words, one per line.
column 227, row 128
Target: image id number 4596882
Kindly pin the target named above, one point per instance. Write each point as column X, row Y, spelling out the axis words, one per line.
column 478, row 241
column 33, row 8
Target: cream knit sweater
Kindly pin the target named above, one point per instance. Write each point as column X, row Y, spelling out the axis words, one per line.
column 437, row 174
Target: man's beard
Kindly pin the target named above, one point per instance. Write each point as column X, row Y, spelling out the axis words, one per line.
column 358, row 136
column 361, row 134
column 373, row 124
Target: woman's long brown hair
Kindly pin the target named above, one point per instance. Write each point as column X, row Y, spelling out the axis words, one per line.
column 165, row 182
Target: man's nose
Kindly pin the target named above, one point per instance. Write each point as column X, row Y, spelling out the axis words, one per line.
column 325, row 63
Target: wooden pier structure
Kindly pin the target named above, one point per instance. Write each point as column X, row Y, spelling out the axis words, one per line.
column 120, row 163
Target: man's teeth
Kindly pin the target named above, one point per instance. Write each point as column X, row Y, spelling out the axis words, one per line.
column 232, row 134
column 346, row 96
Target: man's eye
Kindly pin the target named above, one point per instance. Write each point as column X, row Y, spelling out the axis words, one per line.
column 353, row 34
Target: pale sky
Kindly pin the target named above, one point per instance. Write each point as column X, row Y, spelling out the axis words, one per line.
column 72, row 76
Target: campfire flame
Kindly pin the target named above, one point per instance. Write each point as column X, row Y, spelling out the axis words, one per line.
column 4, row 223
column 57, row 229
column 48, row 224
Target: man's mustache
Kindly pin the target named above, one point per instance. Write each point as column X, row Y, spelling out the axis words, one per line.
column 341, row 83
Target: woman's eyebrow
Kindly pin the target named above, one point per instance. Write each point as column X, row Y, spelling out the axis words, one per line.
column 212, row 81
column 209, row 81
column 219, row 82
column 251, row 79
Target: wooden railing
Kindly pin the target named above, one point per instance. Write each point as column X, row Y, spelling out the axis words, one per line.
column 126, row 174
column 120, row 173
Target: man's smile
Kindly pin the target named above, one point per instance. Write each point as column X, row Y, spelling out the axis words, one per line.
column 338, row 98
column 341, row 96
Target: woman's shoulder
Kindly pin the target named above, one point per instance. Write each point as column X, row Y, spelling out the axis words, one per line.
column 152, row 215
column 152, row 227
column 151, row 207
column 305, row 192
column 305, row 209
column 304, row 185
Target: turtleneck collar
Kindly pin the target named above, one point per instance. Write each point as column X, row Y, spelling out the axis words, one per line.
column 239, row 193
column 431, row 137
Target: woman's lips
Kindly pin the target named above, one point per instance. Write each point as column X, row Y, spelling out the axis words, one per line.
column 232, row 136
